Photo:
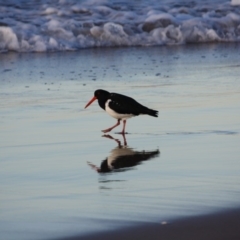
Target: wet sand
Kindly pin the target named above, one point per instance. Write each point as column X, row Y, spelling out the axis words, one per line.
column 219, row 226
column 50, row 146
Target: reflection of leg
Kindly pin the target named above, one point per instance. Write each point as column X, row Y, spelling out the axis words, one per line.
column 111, row 128
column 124, row 124
column 124, row 139
column 110, row 137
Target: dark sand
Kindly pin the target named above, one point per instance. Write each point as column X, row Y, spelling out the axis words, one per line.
column 218, row 226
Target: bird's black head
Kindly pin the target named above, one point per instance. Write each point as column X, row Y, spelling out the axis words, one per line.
column 102, row 97
column 101, row 94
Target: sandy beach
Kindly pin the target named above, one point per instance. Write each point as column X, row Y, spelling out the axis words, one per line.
column 188, row 188
column 218, row 226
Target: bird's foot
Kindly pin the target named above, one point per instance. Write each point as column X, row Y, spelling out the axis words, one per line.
column 110, row 137
column 106, row 130
column 107, row 136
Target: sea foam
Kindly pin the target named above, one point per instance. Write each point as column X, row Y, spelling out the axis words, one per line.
column 63, row 25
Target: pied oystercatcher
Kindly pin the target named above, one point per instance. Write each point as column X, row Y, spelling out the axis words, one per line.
column 120, row 107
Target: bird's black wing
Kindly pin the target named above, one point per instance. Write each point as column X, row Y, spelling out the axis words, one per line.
column 127, row 105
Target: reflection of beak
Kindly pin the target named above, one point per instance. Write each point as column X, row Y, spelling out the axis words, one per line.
column 94, row 167
column 92, row 100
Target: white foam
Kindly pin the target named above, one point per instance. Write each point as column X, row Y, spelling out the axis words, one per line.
column 8, row 39
column 96, row 31
column 158, row 17
column 53, row 43
column 62, row 25
column 49, row 11
column 235, row 2
column 114, row 35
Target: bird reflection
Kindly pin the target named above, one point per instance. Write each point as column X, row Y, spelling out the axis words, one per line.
column 123, row 158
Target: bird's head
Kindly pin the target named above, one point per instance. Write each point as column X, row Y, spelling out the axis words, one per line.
column 98, row 94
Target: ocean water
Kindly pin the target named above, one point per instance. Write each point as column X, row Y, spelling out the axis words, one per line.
column 58, row 177
column 69, row 25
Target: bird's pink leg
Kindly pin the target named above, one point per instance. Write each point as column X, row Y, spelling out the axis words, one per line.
column 111, row 128
column 124, row 125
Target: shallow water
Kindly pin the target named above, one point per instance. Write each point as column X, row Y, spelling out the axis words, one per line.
column 51, row 147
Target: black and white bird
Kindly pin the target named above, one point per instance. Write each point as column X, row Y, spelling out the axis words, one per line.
column 120, row 107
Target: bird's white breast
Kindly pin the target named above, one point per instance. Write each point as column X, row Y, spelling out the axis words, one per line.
column 114, row 114
column 118, row 152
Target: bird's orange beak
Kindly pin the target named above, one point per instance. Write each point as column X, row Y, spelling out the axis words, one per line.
column 92, row 100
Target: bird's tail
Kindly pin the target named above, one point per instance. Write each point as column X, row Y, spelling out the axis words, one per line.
column 152, row 112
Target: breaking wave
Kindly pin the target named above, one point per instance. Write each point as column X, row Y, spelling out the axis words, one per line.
column 63, row 25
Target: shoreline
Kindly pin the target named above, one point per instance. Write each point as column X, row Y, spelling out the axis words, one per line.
column 218, row 226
